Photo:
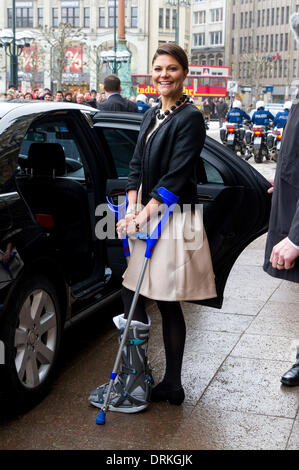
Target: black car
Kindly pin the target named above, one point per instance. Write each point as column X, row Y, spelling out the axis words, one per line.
column 58, row 162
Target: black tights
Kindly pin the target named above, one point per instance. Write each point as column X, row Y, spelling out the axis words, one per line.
column 174, row 334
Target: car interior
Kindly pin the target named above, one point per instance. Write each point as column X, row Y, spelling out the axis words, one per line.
column 51, row 180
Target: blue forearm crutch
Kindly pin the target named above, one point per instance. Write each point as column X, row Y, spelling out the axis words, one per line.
column 169, row 200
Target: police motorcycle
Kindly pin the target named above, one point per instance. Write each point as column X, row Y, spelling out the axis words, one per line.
column 274, row 137
column 233, row 132
column 257, row 137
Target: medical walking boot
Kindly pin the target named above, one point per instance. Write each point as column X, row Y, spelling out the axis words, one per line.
column 131, row 390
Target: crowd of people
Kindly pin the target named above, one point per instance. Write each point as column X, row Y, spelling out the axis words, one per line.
column 92, row 98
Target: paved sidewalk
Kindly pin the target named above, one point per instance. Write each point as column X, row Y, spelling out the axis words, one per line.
column 233, row 362
column 234, row 358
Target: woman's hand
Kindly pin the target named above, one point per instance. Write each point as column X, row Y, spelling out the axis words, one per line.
column 126, row 226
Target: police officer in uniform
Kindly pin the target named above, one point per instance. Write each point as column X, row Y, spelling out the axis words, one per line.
column 262, row 117
column 236, row 115
column 281, row 118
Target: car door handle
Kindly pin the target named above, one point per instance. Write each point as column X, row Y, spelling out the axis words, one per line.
column 204, row 196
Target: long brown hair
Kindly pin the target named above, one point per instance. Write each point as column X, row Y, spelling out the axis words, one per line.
column 175, row 51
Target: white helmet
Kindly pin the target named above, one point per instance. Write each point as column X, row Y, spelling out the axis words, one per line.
column 260, row 104
column 142, row 98
column 237, row 104
column 287, row 105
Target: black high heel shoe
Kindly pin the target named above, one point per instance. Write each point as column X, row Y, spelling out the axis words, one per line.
column 175, row 397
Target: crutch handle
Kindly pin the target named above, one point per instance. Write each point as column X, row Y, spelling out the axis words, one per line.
column 169, row 200
column 120, row 212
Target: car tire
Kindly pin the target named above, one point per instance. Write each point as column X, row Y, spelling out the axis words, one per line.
column 32, row 336
column 258, row 155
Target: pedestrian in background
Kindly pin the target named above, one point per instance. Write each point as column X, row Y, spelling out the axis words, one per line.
column 221, row 109
column 282, row 247
column 59, row 96
column 68, row 97
column 114, row 101
column 141, row 102
column 206, row 110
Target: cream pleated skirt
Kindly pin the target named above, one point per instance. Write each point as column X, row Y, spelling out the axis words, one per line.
column 180, row 267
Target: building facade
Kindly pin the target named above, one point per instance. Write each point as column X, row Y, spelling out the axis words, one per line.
column 148, row 23
column 208, row 20
column 260, row 48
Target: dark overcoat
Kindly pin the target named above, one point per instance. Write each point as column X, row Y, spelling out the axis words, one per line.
column 118, row 103
column 284, row 218
column 169, row 157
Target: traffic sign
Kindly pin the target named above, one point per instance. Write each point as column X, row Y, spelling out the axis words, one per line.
column 232, row 86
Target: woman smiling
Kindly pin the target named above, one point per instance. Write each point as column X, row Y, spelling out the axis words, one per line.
column 167, row 153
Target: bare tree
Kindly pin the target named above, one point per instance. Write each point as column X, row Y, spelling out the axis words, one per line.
column 256, row 65
column 65, row 35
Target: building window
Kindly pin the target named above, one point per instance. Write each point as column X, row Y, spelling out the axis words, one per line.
column 241, row 46
column 71, row 16
column 257, row 43
column 282, row 15
column 280, row 69
column 233, row 46
column 259, row 18
column 102, row 17
column 215, row 38
column 134, row 17
column 263, row 17
column 288, row 14
column 281, row 42
column 286, row 42
column 271, row 43
column 111, row 16
column 250, row 19
column 199, row 17
column 276, row 42
column 216, row 15
column 233, row 21
column 275, row 69
column 173, row 19
column 246, row 19
column 199, row 39
column 285, row 68
column 277, row 16
column 167, row 18
column 272, row 16
column 268, row 16
column 40, row 17
column 294, row 68
column 267, row 43
column 86, row 17
column 241, row 21
column 24, row 17
column 161, row 18
column 55, row 17
column 262, row 43
column 249, row 44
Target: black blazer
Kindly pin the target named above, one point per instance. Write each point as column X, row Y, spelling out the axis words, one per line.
column 284, row 218
column 118, row 103
column 170, row 156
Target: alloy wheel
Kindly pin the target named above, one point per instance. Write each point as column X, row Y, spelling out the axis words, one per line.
column 35, row 338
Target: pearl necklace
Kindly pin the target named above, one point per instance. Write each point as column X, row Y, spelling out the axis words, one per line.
column 160, row 115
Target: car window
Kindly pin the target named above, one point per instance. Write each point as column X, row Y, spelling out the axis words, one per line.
column 59, row 133
column 121, row 143
column 212, row 174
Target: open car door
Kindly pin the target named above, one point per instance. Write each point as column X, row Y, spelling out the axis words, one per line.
column 236, row 205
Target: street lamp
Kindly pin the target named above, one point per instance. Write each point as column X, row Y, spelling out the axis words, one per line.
column 178, row 4
column 13, row 44
column 114, row 59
